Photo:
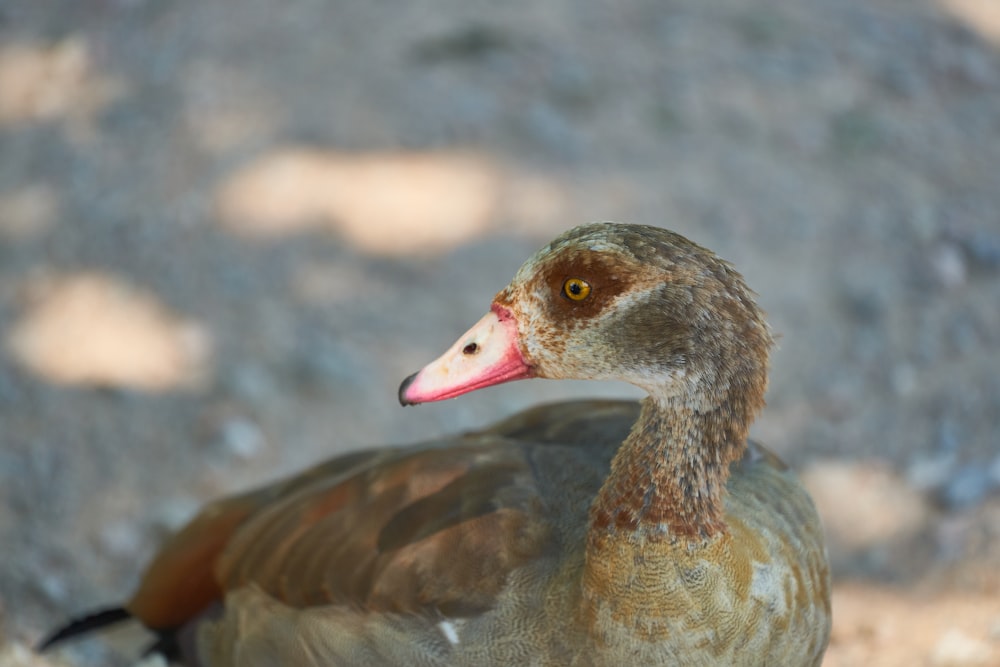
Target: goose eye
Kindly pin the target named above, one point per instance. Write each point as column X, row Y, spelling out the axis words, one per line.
column 576, row 289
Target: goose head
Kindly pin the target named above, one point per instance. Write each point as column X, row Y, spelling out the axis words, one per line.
column 609, row 301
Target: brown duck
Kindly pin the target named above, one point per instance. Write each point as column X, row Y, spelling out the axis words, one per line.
column 582, row 533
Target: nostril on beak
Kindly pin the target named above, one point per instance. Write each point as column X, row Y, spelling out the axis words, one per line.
column 470, row 349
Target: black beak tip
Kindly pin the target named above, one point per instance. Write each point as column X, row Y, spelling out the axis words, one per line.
column 402, row 391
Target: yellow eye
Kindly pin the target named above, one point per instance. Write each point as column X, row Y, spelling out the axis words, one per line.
column 576, row 289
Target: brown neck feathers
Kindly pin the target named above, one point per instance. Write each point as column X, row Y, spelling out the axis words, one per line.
column 668, row 477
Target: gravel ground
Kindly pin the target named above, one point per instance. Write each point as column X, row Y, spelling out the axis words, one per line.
column 227, row 231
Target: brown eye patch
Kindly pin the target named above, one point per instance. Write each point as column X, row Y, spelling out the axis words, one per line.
column 583, row 284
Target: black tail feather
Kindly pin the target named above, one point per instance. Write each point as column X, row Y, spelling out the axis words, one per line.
column 89, row 623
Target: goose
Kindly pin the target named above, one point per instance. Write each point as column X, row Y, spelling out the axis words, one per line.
column 590, row 533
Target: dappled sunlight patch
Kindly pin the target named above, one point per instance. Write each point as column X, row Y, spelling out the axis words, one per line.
column 95, row 329
column 385, row 203
column 981, row 16
column 865, row 507
column 42, row 82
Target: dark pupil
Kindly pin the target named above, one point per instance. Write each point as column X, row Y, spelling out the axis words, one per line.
column 575, row 288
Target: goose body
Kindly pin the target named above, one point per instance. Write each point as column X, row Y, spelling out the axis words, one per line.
column 581, row 533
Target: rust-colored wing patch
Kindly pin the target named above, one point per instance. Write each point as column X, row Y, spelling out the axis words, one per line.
column 181, row 581
column 431, row 528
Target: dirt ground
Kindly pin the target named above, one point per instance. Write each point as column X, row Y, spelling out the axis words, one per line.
column 228, row 230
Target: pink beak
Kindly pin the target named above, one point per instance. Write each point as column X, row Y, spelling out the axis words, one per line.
column 487, row 354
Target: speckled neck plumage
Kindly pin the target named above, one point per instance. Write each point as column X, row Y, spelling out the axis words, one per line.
column 668, row 477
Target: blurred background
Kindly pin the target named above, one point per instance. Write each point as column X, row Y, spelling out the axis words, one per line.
column 228, row 230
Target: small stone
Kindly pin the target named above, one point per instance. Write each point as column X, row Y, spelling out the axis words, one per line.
column 957, row 649
column 17, row 654
column 120, row 539
column 153, row 660
column 53, row 587
column 948, row 263
column 242, row 438
column 172, row 513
